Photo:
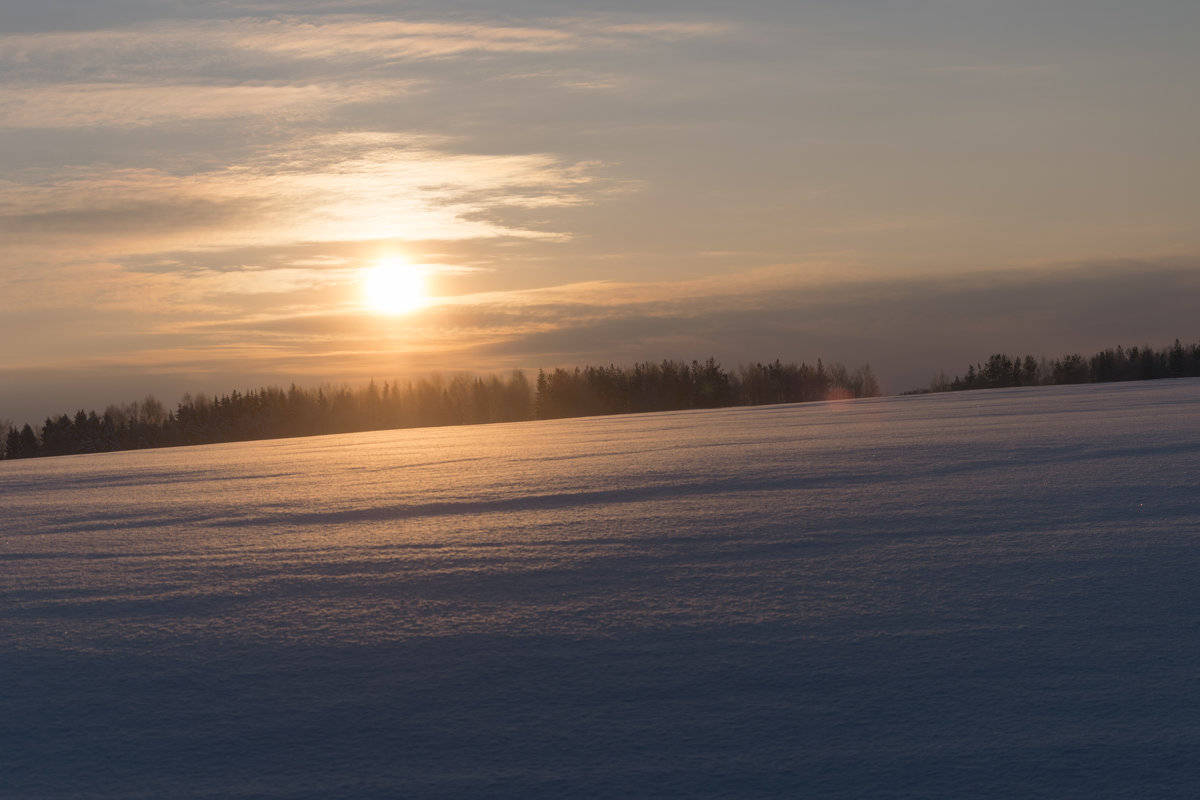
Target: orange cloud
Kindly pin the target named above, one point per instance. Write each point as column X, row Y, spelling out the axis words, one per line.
column 332, row 188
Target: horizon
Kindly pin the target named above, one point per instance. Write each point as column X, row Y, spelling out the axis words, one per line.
column 229, row 196
column 443, row 376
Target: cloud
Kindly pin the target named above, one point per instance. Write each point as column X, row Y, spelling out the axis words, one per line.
column 137, row 105
column 206, row 60
column 907, row 328
column 354, row 39
column 136, row 214
column 340, row 188
column 205, row 43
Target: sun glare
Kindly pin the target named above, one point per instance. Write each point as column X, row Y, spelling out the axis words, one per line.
column 394, row 287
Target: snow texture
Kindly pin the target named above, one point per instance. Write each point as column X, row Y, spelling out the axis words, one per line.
column 983, row 594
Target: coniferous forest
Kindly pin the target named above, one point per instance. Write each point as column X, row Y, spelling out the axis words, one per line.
column 1135, row 364
column 271, row 412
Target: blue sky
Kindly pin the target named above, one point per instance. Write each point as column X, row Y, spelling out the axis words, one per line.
column 191, row 194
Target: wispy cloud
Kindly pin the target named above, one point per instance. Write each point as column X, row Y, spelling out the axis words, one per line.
column 216, row 47
column 123, row 105
column 334, row 188
column 284, row 69
column 288, row 169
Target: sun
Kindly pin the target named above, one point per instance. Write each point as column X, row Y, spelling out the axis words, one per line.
column 394, row 286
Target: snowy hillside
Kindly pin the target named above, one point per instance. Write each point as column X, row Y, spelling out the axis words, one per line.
column 980, row 594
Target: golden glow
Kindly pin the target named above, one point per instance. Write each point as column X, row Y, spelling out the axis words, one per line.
column 393, row 286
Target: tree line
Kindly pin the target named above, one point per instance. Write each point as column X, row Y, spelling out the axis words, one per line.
column 673, row 385
column 1135, row 364
column 271, row 412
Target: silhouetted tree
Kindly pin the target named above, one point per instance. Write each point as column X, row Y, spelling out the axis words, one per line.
column 1136, row 363
column 22, row 444
column 12, row 442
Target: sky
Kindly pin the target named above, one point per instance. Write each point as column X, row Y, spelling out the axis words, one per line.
column 192, row 194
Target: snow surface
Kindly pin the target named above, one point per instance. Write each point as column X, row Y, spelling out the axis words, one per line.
column 985, row 594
